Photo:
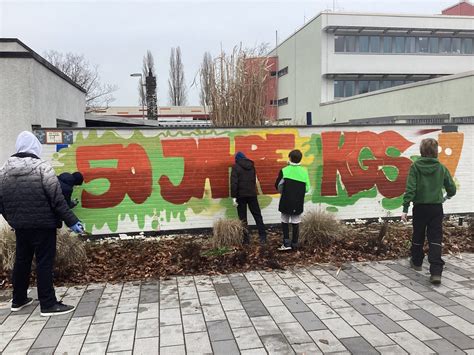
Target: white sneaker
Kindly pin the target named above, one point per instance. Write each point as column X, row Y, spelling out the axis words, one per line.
column 284, row 248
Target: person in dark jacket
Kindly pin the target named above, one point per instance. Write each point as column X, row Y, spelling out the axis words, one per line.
column 426, row 179
column 32, row 203
column 243, row 188
column 68, row 181
column 293, row 183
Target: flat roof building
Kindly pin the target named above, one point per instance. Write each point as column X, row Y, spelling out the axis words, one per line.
column 339, row 57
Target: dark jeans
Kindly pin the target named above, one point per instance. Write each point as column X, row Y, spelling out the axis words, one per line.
column 295, row 232
column 254, row 208
column 428, row 221
column 42, row 244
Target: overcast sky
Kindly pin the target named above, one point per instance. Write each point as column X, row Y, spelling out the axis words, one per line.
column 116, row 34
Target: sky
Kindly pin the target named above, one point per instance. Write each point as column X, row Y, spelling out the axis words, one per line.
column 115, row 35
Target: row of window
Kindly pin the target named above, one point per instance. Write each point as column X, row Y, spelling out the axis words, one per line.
column 347, row 88
column 279, row 102
column 280, row 73
column 403, row 44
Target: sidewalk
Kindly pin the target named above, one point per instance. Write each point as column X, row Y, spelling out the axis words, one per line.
column 366, row 308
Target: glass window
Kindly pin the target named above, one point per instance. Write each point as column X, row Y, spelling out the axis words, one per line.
column 398, row 82
column 422, row 45
column 363, row 87
column 338, row 88
column 373, row 85
column 433, row 45
column 456, row 45
column 399, row 44
column 374, row 44
column 386, row 84
column 387, row 44
column 349, row 42
column 363, row 44
column 445, row 45
column 339, row 43
column 409, row 82
column 410, row 45
column 467, row 45
column 349, row 88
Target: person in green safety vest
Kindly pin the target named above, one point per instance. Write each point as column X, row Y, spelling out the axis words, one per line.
column 293, row 183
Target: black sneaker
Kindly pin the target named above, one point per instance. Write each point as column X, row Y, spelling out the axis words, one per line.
column 56, row 310
column 435, row 279
column 413, row 266
column 19, row 306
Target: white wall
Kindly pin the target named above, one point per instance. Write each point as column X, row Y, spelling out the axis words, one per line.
column 31, row 94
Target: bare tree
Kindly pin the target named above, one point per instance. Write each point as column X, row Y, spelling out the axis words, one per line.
column 176, row 83
column 205, row 75
column 237, row 88
column 148, row 64
column 79, row 70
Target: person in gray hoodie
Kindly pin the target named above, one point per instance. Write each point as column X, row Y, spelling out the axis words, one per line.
column 32, row 203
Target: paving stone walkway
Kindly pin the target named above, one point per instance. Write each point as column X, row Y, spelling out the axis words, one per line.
column 366, row 308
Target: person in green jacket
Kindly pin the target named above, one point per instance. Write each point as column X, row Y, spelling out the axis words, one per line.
column 293, row 184
column 426, row 179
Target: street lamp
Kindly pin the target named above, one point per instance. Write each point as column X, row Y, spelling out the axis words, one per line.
column 141, row 83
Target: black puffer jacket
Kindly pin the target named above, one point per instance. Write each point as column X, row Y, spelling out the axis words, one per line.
column 30, row 194
column 243, row 182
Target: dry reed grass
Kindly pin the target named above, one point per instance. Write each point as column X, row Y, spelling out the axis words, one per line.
column 70, row 251
column 227, row 233
column 319, row 229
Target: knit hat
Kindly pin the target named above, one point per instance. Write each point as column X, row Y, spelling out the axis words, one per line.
column 239, row 156
column 78, row 178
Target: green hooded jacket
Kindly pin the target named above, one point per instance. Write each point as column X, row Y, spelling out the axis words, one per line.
column 425, row 183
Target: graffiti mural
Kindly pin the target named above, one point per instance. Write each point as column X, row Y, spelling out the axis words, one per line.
column 137, row 180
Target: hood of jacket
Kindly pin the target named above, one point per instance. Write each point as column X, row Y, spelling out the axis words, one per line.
column 67, row 178
column 427, row 166
column 245, row 163
column 16, row 166
column 27, row 142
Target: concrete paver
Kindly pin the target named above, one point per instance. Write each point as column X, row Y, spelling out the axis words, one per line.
column 368, row 308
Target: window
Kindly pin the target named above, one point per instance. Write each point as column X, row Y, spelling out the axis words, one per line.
column 273, row 102
column 273, row 73
column 349, row 43
column 433, row 45
column 363, row 44
column 399, row 44
column 445, row 45
column 374, row 85
column 283, row 71
column 467, row 45
column 349, row 88
column 422, row 45
column 456, row 45
column 338, row 88
column 339, row 43
column 410, row 45
column 374, row 44
column 283, row 101
column 386, row 84
column 387, row 44
column 398, row 82
column 363, row 87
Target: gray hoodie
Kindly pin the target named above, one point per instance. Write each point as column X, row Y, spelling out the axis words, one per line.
column 30, row 194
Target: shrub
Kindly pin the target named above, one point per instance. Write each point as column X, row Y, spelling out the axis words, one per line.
column 227, row 233
column 70, row 251
column 190, row 255
column 7, row 248
column 319, row 229
column 470, row 225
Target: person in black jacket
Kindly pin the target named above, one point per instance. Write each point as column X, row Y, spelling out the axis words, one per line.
column 243, row 186
column 32, row 203
column 68, row 181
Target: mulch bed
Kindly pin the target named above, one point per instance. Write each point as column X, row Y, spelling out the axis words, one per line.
column 131, row 260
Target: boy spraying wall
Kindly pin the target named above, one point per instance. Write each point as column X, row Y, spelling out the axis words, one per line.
column 293, row 184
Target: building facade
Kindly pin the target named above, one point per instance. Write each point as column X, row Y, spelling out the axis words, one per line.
column 338, row 55
column 34, row 94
